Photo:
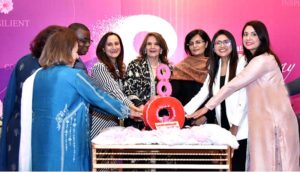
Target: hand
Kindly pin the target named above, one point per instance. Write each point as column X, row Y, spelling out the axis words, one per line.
column 136, row 113
column 199, row 121
column 137, row 109
column 198, row 113
column 234, row 129
column 136, row 116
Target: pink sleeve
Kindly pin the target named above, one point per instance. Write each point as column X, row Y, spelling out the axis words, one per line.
column 257, row 67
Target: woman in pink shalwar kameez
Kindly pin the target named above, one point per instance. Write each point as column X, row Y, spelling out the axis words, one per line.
column 273, row 128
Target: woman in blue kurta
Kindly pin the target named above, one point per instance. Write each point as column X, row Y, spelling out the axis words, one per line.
column 60, row 101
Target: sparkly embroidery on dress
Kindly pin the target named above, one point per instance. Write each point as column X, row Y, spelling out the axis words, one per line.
column 152, row 81
column 60, row 117
column 66, row 124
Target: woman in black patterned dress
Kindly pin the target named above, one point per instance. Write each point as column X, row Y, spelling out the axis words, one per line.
column 140, row 78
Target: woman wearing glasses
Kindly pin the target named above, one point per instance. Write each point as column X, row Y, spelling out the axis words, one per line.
column 273, row 146
column 189, row 75
column 231, row 114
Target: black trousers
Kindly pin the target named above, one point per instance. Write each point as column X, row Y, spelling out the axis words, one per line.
column 239, row 156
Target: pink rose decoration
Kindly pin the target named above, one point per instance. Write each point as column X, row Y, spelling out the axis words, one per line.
column 6, row 6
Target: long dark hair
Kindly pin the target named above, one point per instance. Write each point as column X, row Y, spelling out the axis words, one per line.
column 214, row 59
column 264, row 46
column 203, row 35
column 102, row 56
column 161, row 42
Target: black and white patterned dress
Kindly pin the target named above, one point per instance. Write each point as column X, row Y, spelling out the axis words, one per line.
column 139, row 86
column 104, row 79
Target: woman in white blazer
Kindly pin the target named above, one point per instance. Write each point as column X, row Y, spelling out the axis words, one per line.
column 231, row 114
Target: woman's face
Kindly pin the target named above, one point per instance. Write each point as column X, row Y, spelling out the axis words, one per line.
column 152, row 47
column 250, row 39
column 75, row 53
column 112, row 47
column 222, row 46
column 197, row 46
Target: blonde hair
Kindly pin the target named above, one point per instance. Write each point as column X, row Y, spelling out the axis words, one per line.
column 58, row 49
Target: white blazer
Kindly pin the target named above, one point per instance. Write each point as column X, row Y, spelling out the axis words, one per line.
column 236, row 104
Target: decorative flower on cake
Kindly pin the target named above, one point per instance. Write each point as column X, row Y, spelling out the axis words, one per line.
column 6, row 6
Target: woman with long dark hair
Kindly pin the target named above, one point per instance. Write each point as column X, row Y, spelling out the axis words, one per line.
column 231, row 114
column 273, row 127
column 108, row 74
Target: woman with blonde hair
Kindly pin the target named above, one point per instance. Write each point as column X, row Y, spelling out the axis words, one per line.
column 60, row 102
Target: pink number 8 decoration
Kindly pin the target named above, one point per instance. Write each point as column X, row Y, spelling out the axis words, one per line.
column 173, row 106
column 167, row 91
column 163, row 72
column 163, row 87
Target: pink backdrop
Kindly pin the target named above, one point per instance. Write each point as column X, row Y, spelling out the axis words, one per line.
column 21, row 20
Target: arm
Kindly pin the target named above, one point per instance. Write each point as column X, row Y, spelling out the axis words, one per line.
column 98, row 97
column 103, row 79
column 255, row 69
column 198, row 99
column 9, row 99
column 8, row 106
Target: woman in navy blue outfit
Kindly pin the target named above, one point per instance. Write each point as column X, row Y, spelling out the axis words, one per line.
column 10, row 136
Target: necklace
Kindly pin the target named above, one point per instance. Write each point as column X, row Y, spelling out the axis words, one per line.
column 154, row 62
column 152, row 79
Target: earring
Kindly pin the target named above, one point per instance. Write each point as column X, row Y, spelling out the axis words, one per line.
column 160, row 51
column 145, row 51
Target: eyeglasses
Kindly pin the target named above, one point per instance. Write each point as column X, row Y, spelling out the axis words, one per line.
column 198, row 42
column 226, row 42
column 85, row 41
